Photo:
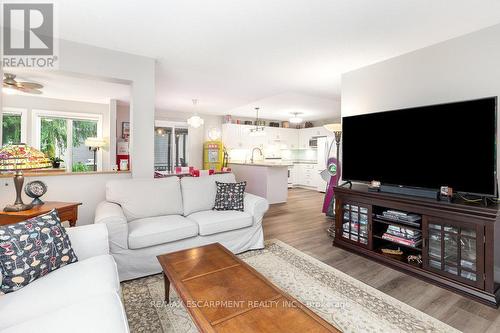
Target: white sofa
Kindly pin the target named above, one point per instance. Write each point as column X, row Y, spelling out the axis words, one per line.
column 80, row 297
column 149, row 217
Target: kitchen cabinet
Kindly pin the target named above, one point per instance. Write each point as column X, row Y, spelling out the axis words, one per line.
column 237, row 136
column 305, row 134
column 289, row 138
column 232, row 136
column 304, row 138
column 305, row 174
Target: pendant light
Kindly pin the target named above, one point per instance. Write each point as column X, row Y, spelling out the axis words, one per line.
column 295, row 119
column 195, row 121
column 257, row 130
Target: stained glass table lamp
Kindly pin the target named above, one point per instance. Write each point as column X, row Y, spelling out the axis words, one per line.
column 18, row 157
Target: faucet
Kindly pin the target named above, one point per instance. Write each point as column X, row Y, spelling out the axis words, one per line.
column 253, row 151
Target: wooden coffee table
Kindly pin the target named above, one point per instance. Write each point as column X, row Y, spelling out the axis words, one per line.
column 224, row 294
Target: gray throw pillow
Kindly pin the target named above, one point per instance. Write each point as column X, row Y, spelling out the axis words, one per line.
column 32, row 249
column 230, row 196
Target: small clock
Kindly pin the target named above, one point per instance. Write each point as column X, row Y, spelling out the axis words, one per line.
column 35, row 190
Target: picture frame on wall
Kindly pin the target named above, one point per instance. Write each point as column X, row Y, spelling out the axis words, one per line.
column 125, row 130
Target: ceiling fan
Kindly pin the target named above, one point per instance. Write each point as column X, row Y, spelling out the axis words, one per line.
column 10, row 84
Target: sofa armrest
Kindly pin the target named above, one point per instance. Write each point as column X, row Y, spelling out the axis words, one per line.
column 255, row 206
column 111, row 215
column 89, row 240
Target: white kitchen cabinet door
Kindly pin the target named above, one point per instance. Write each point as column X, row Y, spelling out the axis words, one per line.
column 293, row 175
column 289, row 138
column 273, row 135
column 299, row 174
column 319, row 131
column 293, row 138
column 304, row 138
column 231, row 136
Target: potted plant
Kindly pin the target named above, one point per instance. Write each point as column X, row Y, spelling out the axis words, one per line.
column 56, row 162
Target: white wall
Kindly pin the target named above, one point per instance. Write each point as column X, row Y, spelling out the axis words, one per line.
column 88, row 189
column 463, row 68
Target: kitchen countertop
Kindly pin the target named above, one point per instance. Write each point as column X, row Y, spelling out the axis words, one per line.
column 264, row 164
column 304, row 162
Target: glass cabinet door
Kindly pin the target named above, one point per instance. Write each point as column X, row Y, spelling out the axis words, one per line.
column 355, row 223
column 452, row 249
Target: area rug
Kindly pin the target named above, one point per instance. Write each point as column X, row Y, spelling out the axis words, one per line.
column 348, row 304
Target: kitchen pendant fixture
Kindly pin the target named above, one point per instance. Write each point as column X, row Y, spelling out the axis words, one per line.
column 295, row 119
column 258, row 130
column 195, row 121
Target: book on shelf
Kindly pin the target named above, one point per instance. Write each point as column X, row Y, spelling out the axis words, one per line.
column 416, row 223
column 401, row 240
column 403, row 232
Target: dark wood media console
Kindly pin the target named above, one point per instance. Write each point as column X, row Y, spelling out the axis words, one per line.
column 457, row 243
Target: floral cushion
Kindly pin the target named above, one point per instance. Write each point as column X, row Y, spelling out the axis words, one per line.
column 230, row 196
column 32, row 249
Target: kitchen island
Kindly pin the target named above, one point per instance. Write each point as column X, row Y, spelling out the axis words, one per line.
column 265, row 179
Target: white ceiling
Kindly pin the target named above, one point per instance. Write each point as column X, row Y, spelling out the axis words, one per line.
column 231, row 54
column 281, row 107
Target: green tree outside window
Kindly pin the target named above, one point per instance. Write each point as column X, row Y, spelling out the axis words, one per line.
column 11, row 128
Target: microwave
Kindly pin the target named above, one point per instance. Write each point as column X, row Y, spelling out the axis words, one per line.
column 313, row 142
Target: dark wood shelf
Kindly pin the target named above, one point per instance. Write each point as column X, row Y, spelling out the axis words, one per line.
column 398, row 224
column 419, row 249
column 402, row 259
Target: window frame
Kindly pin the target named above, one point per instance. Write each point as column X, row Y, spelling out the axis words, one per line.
column 24, row 121
column 36, row 121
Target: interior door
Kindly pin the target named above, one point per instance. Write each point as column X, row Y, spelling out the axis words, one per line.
column 454, row 249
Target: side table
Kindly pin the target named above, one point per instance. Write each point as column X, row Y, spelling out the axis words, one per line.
column 68, row 211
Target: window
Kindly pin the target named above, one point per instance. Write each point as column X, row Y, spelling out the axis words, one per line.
column 171, row 146
column 82, row 158
column 13, row 126
column 63, row 135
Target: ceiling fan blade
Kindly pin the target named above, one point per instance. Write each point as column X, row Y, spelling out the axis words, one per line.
column 30, row 90
column 30, row 85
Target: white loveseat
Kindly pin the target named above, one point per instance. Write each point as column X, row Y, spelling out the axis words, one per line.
column 149, row 217
column 80, row 297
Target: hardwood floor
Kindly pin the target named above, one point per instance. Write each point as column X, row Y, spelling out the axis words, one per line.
column 301, row 224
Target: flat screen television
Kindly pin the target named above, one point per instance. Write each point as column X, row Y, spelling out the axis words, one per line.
column 428, row 147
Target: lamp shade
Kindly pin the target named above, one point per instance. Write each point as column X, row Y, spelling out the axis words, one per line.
column 337, row 127
column 195, row 121
column 295, row 119
column 95, row 142
column 19, row 156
